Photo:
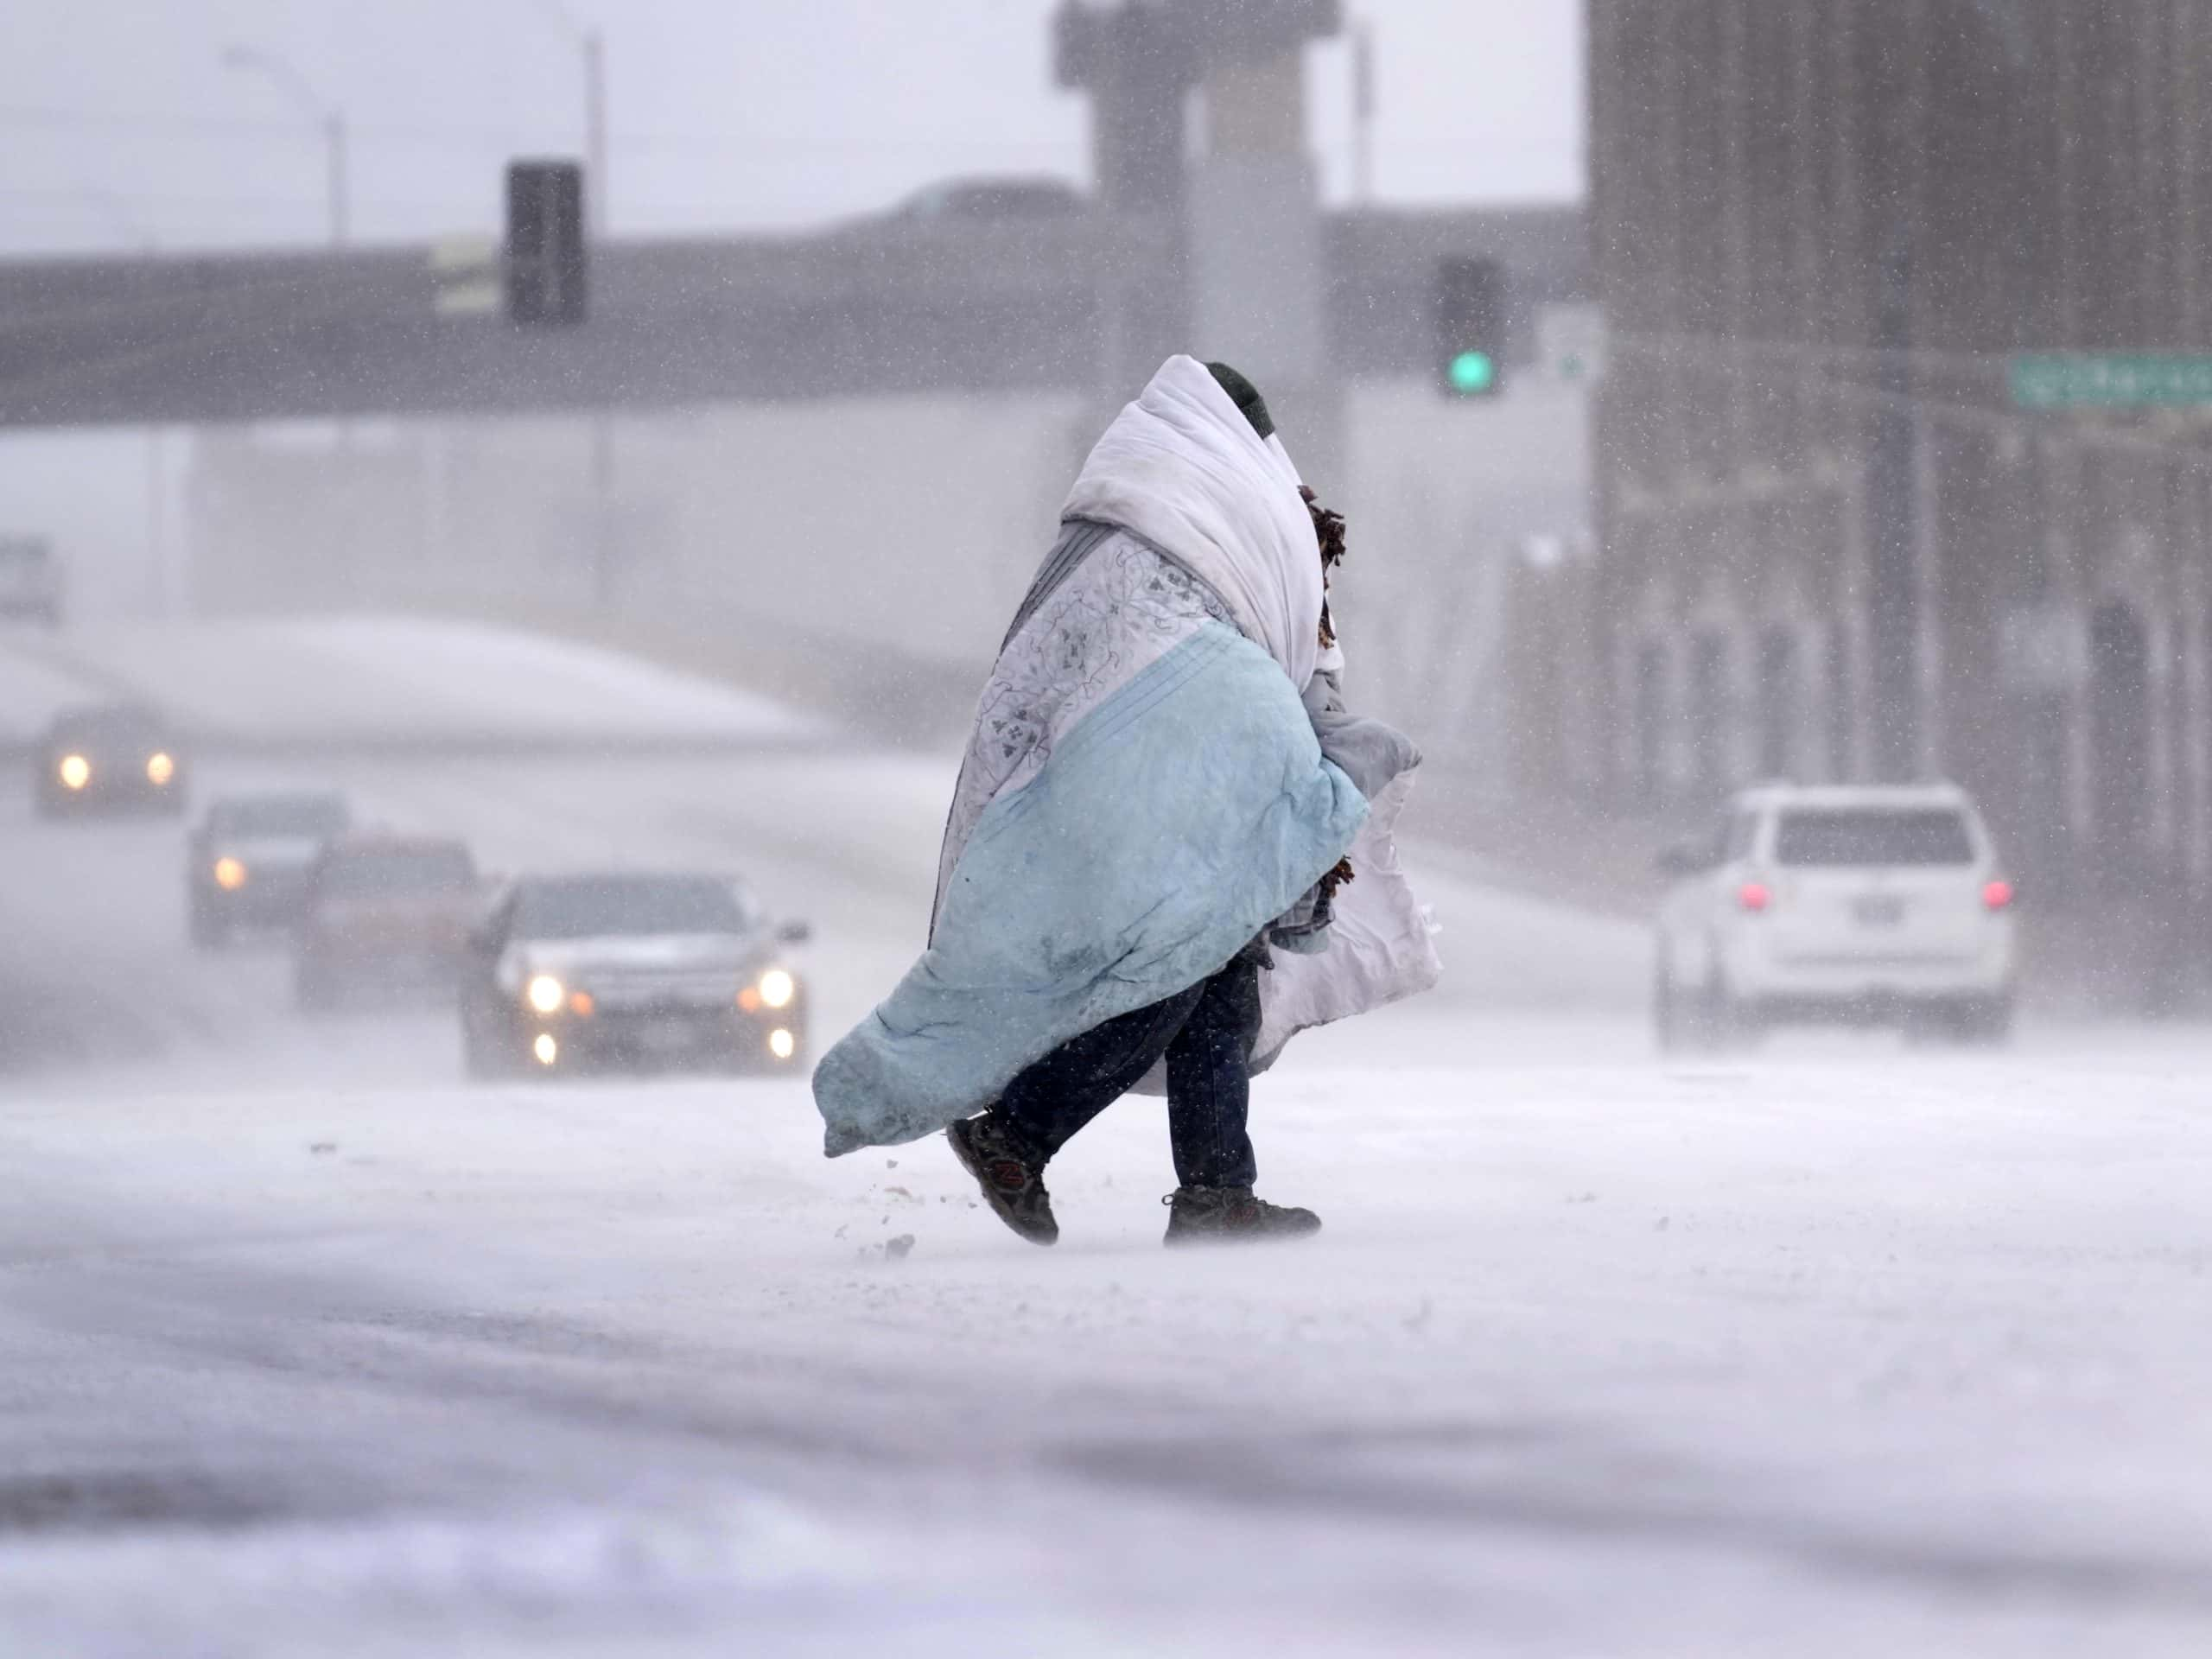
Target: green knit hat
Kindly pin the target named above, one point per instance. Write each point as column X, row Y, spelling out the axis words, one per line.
column 1246, row 397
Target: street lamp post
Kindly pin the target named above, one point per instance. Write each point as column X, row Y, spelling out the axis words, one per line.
column 594, row 52
column 327, row 118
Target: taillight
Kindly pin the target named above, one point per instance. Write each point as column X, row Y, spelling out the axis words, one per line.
column 1754, row 896
column 1998, row 895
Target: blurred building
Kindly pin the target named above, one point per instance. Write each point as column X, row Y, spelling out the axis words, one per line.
column 1832, row 542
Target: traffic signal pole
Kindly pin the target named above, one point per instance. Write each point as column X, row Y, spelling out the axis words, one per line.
column 1893, row 515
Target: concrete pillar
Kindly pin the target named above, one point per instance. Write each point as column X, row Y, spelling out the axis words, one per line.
column 1234, row 270
column 1257, row 267
column 1134, row 65
column 1257, row 109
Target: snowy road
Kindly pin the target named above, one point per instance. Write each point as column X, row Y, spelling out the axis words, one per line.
column 306, row 1348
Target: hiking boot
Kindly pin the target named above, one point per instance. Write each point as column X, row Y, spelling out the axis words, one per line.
column 1011, row 1186
column 1230, row 1214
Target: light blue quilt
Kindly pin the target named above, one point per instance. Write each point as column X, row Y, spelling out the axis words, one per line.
column 1184, row 813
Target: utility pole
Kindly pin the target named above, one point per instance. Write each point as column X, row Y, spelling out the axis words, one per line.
column 333, row 138
column 1893, row 519
column 602, row 434
column 161, row 592
column 592, row 46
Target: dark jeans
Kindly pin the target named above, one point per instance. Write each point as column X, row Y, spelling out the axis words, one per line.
column 1207, row 1034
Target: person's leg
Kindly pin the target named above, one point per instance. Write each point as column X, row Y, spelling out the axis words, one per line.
column 1210, row 1080
column 1048, row 1104
column 1006, row 1148
column 1209, row 1099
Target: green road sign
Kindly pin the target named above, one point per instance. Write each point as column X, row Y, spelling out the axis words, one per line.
column 2082, row 381
column 1473, row 373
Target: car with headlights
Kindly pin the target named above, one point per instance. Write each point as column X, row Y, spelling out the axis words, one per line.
column 620, row 971
column 248, row 861
column 1837, row 904
column 383, row 914
column 117, row 758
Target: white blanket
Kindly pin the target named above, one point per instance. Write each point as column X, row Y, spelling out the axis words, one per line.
column 1183, row 468
column 1381, row 950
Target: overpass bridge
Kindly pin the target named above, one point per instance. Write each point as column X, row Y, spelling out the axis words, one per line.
column 886, row 306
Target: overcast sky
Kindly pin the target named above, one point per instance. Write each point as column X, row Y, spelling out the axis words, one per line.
column 117, row 121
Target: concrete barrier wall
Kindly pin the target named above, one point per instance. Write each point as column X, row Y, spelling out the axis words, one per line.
column 855, row 552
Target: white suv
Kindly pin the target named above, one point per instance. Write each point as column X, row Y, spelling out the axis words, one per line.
column 1847, row 904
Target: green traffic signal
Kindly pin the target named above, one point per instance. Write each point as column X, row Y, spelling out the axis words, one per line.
column 1473, row 373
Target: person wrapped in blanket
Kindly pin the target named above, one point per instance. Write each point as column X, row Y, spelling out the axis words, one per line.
column 1172, row 846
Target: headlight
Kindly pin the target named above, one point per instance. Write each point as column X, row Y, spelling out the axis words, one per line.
column 546, row 994
column 76, row 771
column 545, row 1049
column 777, row 987
column 230, row 875
column 159, row 768
column 782, row 1045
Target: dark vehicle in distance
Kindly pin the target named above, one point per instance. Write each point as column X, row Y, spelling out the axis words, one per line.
column 30, row 581
column 248, row 862
column 383, row 914
column 640, row 972
column 118, row 758
column 993, row 201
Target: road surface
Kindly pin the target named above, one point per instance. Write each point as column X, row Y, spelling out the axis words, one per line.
column 307, row 1347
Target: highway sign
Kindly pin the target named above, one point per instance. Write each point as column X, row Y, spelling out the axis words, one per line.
column 2084, row 380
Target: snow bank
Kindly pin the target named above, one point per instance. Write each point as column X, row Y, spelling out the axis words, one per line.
column 396, row 680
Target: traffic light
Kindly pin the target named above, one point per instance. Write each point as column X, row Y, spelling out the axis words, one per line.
column 545, row 242
column 1470, row 327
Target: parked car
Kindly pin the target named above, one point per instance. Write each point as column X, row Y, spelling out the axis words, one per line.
column 117, row 758
column 632, row 972
column 384, row 914
column 30, row 580
column 1844, row 904
column 248, row 863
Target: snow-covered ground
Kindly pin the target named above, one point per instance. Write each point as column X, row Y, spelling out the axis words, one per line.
column 306, row 1348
